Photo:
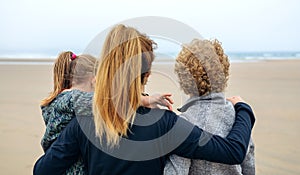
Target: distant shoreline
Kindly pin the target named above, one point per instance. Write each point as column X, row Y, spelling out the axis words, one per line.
column 158, row 60
column 27, row 59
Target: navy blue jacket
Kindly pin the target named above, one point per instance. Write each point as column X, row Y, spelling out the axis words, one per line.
column 155, row 135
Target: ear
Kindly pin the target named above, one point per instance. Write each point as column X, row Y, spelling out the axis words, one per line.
column 146, row 76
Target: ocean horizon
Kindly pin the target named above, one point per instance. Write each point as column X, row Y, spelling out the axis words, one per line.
column 48, row 58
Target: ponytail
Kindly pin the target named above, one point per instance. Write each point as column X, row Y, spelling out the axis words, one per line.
column 62, row 77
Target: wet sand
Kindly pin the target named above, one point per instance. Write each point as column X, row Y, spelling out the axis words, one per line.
column 272, row 88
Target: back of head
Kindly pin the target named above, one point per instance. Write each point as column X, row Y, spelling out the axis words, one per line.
column 61, row 76
column 126, row 56
column 202, row 67
column 82, row 68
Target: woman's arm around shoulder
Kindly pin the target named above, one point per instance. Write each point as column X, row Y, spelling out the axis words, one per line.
column 230, row 150
column 62, row 154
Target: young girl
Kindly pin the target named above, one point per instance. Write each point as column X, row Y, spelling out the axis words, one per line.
column 203, row 70
column 73, row 76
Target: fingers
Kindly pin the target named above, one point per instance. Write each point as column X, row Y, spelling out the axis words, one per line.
column 168, row 98
column 153, row 101
column 235, row 99
column 167, row 104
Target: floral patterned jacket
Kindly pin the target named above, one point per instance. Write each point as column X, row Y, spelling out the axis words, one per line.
column 56, row 117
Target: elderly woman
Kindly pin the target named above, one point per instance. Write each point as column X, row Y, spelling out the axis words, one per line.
column 203, row 71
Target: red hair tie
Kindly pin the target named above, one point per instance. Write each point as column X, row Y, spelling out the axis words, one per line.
column 73, row 56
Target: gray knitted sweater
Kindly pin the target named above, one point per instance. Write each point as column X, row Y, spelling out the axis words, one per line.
column 215, row 115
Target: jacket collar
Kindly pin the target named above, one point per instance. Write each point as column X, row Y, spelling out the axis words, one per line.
column 216, row 97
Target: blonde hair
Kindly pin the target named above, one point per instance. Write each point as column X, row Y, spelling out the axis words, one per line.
column 202, row 67
column 67, row 72
column 61, row 76
column 126, row 56
column 83, row 67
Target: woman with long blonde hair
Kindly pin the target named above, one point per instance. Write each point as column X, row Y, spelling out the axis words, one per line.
column 118, row 90
column 121, row 137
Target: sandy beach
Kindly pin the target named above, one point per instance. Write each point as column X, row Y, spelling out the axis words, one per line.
column 272, row 88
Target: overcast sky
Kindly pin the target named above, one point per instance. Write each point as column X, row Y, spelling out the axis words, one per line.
column 241, row 25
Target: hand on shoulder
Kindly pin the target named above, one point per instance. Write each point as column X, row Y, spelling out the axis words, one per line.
column 155, row 100
column 235, row 99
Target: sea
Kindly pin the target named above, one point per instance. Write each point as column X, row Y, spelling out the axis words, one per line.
column 252, row 56
column 161, row 57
